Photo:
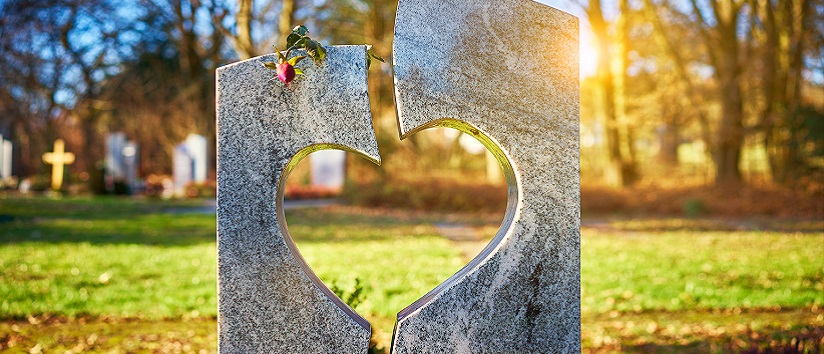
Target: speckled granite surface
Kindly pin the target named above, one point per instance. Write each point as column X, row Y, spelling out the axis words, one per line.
column 269, row 302
column 505, row 71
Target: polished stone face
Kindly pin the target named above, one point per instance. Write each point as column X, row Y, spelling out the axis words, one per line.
column 505, row 71
column 269, row 299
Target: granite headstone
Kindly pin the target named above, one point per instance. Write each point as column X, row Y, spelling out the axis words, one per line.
column 505, row 72
column 269, row 300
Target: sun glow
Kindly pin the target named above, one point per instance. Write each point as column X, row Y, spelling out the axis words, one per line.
column 588, row 52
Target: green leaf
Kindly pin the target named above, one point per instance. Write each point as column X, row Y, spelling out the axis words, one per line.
column 271, row 65
column 295, row 60
column 300, row 30
column 311, row 45
column 315, row 50
column 300, row 43
column 298, row 71
column 368, row 62
column 280, row 55
column 292, row 39
column 321, row 54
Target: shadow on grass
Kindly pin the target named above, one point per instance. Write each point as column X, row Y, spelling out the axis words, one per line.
column 111, row 220
column 104, row 220
column 151, row 229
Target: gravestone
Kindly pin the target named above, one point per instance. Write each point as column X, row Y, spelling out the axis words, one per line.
column 269, row 300
column 328, row 169
column 505, row 72
column 189, row 162
column 122, row 161
column 115, row 143
column 58, row 158
column 5, row 160
column 131, row 159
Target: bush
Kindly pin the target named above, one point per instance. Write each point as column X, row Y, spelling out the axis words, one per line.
column 437, row 195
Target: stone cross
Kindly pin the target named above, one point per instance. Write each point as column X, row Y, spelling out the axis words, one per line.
column 506, row 72
column 269, row 300
column 58, row 158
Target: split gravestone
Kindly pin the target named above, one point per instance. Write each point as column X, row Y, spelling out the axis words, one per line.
column 269, row 300
column 503, row 71
column 506, row 72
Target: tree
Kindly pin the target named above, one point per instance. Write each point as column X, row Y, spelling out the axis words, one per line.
column 248, row 43
column 167, row 89
column 612, row 97
column 719, row 25
column 785, row 25
column 53, row 55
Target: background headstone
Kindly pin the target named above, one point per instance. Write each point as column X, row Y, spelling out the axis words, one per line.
column 269, row 300
column 5, row 159
column 181, row 169
column 189, row 162
column 131, row 159
column 505, row 72
column 58, row 158
column 122, row 161
column 328, row 168
column 115, row 143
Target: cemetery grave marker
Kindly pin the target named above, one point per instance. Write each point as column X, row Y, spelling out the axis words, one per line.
column 122, row 160
column 5, row 160
column 58, row 158
column 189, row 162
column 503, row 71
column 506, row 72
column 328, row 169
column 269, row 300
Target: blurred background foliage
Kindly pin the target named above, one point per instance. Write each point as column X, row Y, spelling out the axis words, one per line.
column 694, row 95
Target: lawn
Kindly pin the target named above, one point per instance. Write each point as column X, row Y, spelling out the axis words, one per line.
column 125, row 275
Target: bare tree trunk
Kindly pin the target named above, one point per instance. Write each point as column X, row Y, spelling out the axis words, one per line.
column 723, row 47
column 287, row 16
column 779, row 120
column 242, row 42
column 694, row 97
column 611, row 104
column 730, row 134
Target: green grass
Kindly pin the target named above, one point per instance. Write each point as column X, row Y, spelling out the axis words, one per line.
column 682, row 270
column 130, row 266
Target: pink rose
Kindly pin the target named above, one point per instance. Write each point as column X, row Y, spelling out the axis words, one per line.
column 286, row 72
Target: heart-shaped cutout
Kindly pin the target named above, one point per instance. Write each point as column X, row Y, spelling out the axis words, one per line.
column 398, row 256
